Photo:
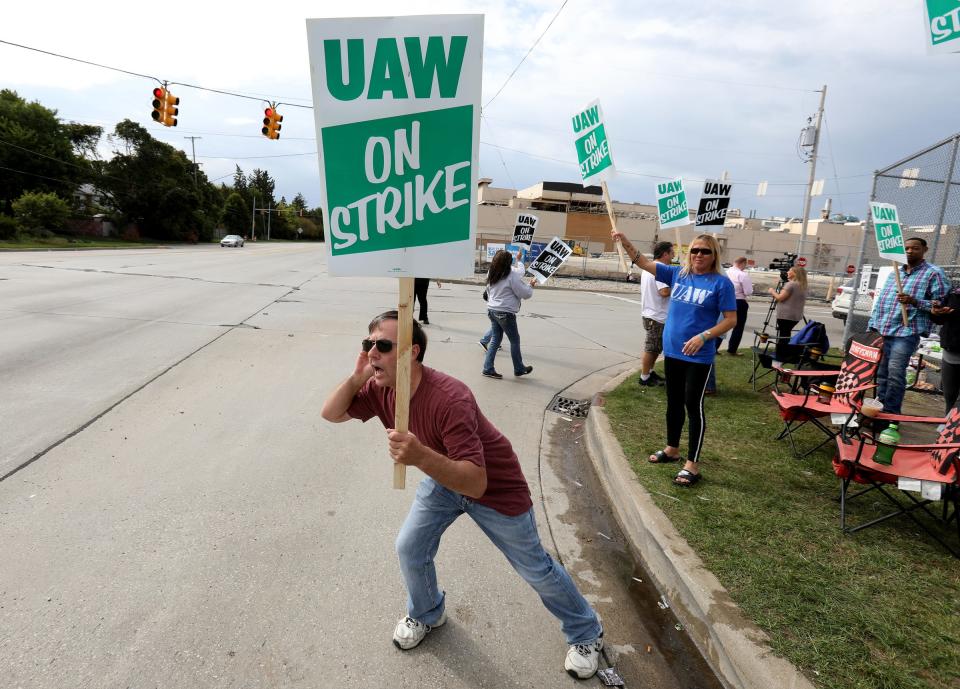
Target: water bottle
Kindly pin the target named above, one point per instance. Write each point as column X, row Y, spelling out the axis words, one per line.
column 890, row 437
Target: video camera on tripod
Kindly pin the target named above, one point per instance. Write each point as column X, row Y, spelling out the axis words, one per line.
column 783, row 264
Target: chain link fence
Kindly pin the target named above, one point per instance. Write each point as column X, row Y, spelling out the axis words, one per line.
column 925, row 188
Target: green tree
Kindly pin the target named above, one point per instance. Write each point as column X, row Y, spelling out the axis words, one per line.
column 40, row 152
column 236, row 218
column 41, row 210
column 151, row 184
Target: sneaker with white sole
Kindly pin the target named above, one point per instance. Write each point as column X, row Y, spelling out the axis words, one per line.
column 583, row 659
column 410, row 632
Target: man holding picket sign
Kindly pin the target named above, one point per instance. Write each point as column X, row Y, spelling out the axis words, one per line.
column 901, row 310
column 397, row 181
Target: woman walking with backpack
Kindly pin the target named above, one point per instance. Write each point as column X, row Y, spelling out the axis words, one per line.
column 700, row 294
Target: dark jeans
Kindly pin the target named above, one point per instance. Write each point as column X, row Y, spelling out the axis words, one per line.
column 950, row 382
column 503, row 322
column 892, row 374
column 784, row 348
column 742, row 308
column 686, row 384
column 420, row 286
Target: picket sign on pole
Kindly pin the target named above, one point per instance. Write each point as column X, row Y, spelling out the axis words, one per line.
column 613, row 224
column 889, row 236
column 595, row 160
column 401, row 417
column 397, row 114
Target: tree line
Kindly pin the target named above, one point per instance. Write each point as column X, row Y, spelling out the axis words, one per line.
column 53, row 181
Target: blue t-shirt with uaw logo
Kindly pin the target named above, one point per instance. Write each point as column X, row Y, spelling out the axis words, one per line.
column 696, row 304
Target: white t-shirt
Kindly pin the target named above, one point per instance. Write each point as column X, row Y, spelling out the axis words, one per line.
column 654, row 306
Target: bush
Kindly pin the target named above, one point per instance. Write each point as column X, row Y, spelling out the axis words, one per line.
column 41, row 210
column 8, row 227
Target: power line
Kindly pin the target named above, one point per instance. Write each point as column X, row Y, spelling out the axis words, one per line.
column 527, row 55
column 147, row 76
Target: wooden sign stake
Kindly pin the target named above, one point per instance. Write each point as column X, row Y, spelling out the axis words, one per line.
column 903, row 307
column 401, row 417
column 613, row 223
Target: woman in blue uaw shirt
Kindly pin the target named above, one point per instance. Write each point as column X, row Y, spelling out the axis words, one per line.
column 699, row 294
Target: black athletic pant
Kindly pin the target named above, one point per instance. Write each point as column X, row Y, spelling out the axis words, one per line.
column 950, row 382
column 686, row 383
column 784, row 348
column 737, row 333
column 420, row 286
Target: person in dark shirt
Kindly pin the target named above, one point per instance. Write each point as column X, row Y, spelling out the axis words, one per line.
column 471, row 469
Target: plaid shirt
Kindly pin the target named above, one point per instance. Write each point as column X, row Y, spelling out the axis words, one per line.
column 926, row 283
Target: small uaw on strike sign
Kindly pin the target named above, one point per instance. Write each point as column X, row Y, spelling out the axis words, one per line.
column 396, row 101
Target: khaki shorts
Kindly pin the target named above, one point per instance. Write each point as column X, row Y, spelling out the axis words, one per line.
column 654, row 342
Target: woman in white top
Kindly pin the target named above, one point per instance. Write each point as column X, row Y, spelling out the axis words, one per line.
column 505, row 289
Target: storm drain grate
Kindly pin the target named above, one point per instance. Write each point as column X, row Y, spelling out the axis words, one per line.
column 570, row 407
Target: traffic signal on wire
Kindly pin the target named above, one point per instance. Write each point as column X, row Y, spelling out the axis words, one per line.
column 271, row 123
column 165, row 108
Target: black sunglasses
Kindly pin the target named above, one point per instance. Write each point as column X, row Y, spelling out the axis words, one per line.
column 699, row 250
column 383, row 346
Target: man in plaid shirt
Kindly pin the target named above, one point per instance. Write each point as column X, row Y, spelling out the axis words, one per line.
column 924, row 285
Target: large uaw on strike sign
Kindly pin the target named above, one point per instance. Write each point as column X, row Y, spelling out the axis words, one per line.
column 396, row 103
column 550, row 260
column 712, row 211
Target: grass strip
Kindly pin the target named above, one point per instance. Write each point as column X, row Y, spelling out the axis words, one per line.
column 873, row 610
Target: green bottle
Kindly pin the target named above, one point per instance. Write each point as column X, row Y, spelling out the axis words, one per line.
column 889, row 437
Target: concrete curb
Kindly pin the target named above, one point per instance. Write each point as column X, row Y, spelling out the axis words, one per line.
column 736, row 649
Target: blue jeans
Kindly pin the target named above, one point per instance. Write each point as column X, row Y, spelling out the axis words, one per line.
column 503, row 322
column 892, row 374
column 435, row 508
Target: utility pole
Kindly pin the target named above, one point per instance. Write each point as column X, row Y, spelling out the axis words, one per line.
column 194, row 149
column 269, row 216
column 253, row 220
column 813, row 172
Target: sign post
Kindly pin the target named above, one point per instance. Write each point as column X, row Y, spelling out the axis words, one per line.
column 889, row 236
column 594, row 158
column 397, row 114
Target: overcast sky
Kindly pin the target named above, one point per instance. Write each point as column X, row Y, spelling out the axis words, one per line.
column 691, row 89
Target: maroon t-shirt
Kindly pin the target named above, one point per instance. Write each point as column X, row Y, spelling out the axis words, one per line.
column 445, row 417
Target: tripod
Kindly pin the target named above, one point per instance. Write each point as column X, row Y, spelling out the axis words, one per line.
column 773, row 306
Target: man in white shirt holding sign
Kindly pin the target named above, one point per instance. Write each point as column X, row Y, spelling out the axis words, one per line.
column 656, row 299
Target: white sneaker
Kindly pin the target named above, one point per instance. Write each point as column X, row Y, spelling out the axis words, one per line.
column 582, row 659
column 410, row 632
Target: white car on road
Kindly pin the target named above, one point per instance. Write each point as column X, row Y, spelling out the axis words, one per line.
column 232, row 240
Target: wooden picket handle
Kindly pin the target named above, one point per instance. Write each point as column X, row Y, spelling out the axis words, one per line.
column 903, row 307
column 613, row 224
column 401, row 418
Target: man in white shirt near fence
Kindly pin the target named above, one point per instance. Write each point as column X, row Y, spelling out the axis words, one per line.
column 742, row 288
column 656, row 299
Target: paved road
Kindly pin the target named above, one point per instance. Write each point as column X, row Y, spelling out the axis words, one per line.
column 174, row 512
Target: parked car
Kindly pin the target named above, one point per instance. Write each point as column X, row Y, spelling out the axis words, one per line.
column 232, row 240
column 841, row 302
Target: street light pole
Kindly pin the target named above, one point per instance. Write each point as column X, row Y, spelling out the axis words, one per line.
column 813, row 172
column 194, row 149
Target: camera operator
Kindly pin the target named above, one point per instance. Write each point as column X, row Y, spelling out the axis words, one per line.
column 791, row 299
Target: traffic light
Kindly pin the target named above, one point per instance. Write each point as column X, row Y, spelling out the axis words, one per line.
column 164, row 107
column 271, row 123
column 159, row 104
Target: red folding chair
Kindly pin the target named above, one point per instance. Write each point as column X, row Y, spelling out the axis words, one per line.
column 937, row 466
column 800, row 404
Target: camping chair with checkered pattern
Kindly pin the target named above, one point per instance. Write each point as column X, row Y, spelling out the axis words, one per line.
column 802, row 403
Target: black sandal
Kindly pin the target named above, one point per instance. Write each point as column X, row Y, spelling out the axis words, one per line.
column 662, row 457
column 690, row 479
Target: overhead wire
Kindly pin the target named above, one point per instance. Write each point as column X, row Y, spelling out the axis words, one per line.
column 523, row 59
